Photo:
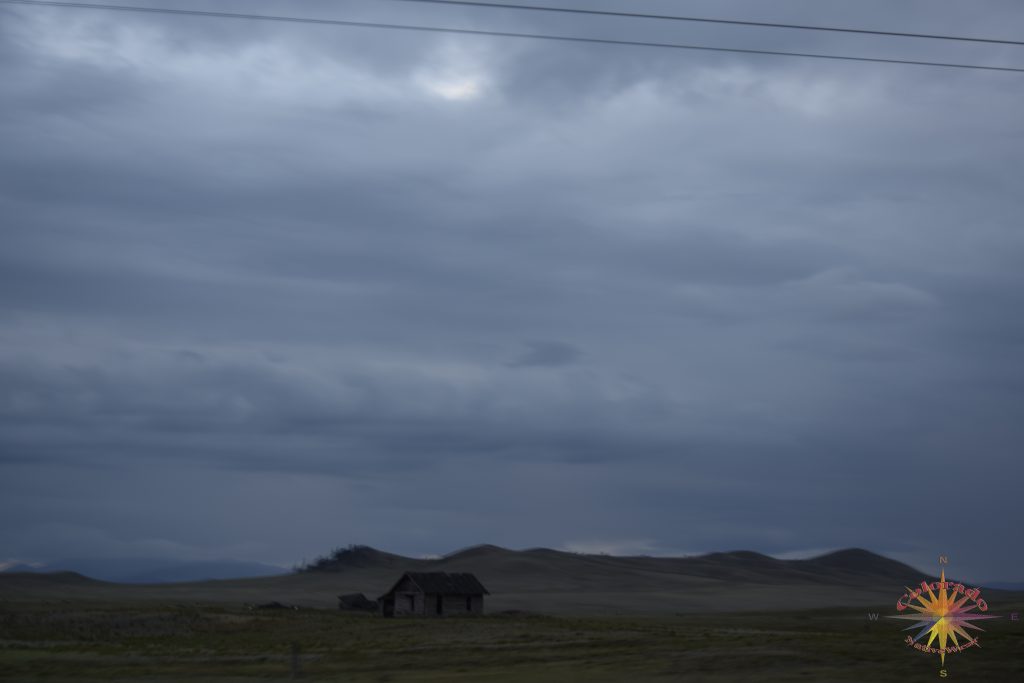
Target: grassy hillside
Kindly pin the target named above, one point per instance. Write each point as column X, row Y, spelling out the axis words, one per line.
column 539, row 580
column 172, row 642
column 721, row 617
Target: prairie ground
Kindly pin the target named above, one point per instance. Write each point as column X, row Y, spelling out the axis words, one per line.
column 149, row 641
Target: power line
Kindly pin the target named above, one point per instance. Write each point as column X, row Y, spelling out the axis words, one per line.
column 733, row 22
column 502, row 34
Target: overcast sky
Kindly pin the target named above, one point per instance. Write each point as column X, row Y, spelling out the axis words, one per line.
column 267, row 289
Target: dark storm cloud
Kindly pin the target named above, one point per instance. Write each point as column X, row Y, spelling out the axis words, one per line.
column 546, row 354
column 266, row 289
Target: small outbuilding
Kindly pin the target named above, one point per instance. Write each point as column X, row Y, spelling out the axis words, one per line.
column 356, row 601
column 433, row 594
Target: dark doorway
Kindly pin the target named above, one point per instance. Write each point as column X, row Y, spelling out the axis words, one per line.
column 440, row 604
column 469, row 604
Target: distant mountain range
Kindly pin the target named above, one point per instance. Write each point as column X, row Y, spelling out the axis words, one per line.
column 151, row 570
column 1005, row 585
column 537, row 580
column 853, row 565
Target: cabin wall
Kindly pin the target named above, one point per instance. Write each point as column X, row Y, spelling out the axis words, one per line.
column 409, row 603
column 453, row 605
column 476, row 604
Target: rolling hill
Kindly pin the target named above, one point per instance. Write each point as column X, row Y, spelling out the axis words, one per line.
column 539, row 579
column 152, row 570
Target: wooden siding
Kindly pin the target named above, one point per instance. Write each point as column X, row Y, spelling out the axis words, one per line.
column 413, row 604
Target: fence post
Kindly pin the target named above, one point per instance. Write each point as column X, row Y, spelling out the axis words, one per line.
column 296, row 672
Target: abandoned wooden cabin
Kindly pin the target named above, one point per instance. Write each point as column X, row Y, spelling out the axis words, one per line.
column 433, row 594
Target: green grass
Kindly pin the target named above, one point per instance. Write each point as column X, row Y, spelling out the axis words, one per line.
column 74, row 641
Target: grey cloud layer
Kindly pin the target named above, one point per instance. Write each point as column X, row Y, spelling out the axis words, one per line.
column 267, row 289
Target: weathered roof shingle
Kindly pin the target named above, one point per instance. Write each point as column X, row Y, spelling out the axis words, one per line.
column 444, row 583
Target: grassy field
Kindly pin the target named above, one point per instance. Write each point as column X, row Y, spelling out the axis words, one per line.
column 148, row 641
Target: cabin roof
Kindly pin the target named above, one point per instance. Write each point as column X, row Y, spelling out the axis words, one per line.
column 442, row 583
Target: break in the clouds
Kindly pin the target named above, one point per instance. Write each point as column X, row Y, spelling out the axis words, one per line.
column 267, row 289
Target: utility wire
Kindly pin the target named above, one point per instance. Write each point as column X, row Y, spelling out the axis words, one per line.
column 503, row 34
column 733, row 22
